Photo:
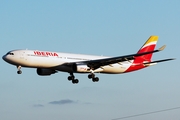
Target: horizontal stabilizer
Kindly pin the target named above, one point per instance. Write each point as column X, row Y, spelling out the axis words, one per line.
column 157, row 61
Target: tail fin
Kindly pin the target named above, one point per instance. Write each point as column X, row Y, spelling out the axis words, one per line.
column 149, row 45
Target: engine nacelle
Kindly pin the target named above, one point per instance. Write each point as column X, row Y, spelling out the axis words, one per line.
column 45, row 72
column 80, row 68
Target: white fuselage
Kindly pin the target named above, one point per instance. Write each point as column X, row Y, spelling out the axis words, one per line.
column 44, row 59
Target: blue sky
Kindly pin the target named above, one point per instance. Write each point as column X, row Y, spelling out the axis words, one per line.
column 98, row 27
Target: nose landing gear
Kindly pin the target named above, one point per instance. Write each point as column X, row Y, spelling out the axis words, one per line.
column 19, row 70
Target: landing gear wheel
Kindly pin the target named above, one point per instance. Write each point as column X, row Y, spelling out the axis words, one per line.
column 75, row 81
column 71, row 78
column 91, row 76
column 96, row 79
column 19, row 72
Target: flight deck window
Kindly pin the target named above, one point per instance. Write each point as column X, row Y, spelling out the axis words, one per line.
column 10, row 53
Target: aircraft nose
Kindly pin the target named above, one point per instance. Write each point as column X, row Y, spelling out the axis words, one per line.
column 4, row 58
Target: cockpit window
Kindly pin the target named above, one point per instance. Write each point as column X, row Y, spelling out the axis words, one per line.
column 10, row 53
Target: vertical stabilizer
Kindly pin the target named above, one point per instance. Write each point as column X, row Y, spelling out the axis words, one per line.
column 149, row 45
column 139, row 61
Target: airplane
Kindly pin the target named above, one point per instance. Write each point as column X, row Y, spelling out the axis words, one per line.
column 48, row 63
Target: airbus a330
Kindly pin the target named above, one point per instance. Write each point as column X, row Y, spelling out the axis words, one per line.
column 48, row 63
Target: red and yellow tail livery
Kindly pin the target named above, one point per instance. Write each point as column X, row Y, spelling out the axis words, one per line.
column 149, row 45
column 143, row 61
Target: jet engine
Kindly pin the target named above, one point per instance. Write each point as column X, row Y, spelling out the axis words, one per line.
column 45, row 72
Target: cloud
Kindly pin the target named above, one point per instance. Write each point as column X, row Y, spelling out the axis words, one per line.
column 38, row 105
column 62, row 102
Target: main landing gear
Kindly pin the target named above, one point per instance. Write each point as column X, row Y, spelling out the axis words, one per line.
column 92, row 76
column 19, row 70
column 72, row 78
column 76, row 81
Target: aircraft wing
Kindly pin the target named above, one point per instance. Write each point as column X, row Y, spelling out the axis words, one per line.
column 94, row 64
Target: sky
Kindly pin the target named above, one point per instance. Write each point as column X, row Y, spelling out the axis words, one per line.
column 97, row 27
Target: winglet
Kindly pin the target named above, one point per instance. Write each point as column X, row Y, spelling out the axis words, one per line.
column 162, row 48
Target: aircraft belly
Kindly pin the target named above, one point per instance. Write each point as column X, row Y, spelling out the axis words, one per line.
column 64, row 68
